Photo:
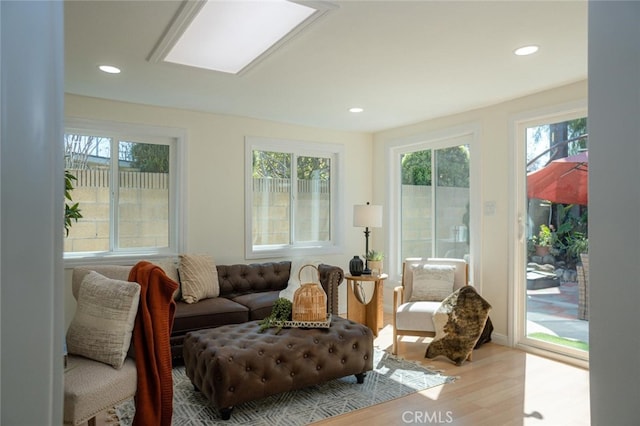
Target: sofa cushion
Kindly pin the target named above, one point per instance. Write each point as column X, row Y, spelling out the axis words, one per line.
column 207, row 313
column 432, row 282
column 259, row 304
column 198, row 277
column 102, row 325
column 90, row 386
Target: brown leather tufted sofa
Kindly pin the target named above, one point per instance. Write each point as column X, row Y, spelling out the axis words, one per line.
column 236, row 363
column 247, row 293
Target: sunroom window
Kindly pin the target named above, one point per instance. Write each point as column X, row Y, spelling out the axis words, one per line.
column 125, row 187
column 291, row 197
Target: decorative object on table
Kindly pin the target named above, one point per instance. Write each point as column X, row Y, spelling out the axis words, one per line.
column 459, row 323
column 356, row 266
column 309, row 301
column 280, row 313
column 308, row 274
column 374, row 260
column 325, row 323
column 367, row 216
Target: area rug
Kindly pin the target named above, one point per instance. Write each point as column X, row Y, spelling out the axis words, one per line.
column 391, row 378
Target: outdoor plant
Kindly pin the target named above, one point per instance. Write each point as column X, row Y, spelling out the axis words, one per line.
column 577, row 244
column 572, row 234
column 71, row 211
column 546, row 237
column 545, row 242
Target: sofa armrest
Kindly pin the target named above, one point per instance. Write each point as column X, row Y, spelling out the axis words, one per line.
column 330, row 278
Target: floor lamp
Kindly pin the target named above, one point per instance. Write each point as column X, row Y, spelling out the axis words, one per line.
column 367, row 216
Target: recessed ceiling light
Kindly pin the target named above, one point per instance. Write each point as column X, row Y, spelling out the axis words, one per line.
column 526, row 50
column 109, row 69
column 356, row 109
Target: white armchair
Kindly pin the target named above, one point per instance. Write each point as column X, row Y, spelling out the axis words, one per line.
column 415, row 317
column 91, row 386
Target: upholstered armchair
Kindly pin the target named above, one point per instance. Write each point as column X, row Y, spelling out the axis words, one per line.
column 425, row 283
column 92, row 386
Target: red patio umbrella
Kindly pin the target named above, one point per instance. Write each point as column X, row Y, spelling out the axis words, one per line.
column 564, row 180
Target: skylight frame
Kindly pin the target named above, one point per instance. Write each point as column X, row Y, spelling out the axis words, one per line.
column 191, row 9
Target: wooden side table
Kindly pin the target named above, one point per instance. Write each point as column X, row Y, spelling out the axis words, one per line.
column 369, row 314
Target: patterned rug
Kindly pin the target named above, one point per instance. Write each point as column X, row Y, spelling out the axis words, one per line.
column 392, row 378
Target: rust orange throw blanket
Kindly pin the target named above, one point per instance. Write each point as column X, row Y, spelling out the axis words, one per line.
column 151, row 332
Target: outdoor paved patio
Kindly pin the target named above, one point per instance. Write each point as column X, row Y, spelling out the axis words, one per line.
column 554, row 310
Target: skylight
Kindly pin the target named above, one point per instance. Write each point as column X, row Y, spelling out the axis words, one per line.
column 228, row 36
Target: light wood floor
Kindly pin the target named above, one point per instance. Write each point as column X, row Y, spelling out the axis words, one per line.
column 501, row 386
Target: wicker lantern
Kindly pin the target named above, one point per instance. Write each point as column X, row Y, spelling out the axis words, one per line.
column 309, row 301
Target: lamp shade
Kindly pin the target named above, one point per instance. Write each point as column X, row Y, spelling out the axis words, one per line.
column 367, row 215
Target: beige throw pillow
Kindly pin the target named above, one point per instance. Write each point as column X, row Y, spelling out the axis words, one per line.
column 198, row 277
column 432, row 282
column 105, row 315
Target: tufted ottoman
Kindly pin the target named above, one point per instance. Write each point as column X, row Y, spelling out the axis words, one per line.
column 236, row 363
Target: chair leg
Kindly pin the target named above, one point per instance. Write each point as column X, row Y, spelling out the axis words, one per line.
column 394, row 346
column 469, row 356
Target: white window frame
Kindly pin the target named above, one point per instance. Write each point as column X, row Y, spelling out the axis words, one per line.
column 516, row 312
column 465, row 134
column 298, row 148
column 177, row 190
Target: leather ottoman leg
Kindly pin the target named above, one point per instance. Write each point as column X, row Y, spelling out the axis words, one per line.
column 225, row 413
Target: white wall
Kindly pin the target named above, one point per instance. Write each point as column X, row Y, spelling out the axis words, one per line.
column 28, row 318
column 215, row 164
column 215, row 155
column 614, row 209
column 495, row 137
column 31, row 225
column 31, row 309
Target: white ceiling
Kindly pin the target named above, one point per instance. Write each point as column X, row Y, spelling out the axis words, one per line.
column 403, row 62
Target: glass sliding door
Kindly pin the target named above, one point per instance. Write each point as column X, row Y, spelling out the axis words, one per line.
column 434, row 220
column 554, row 291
